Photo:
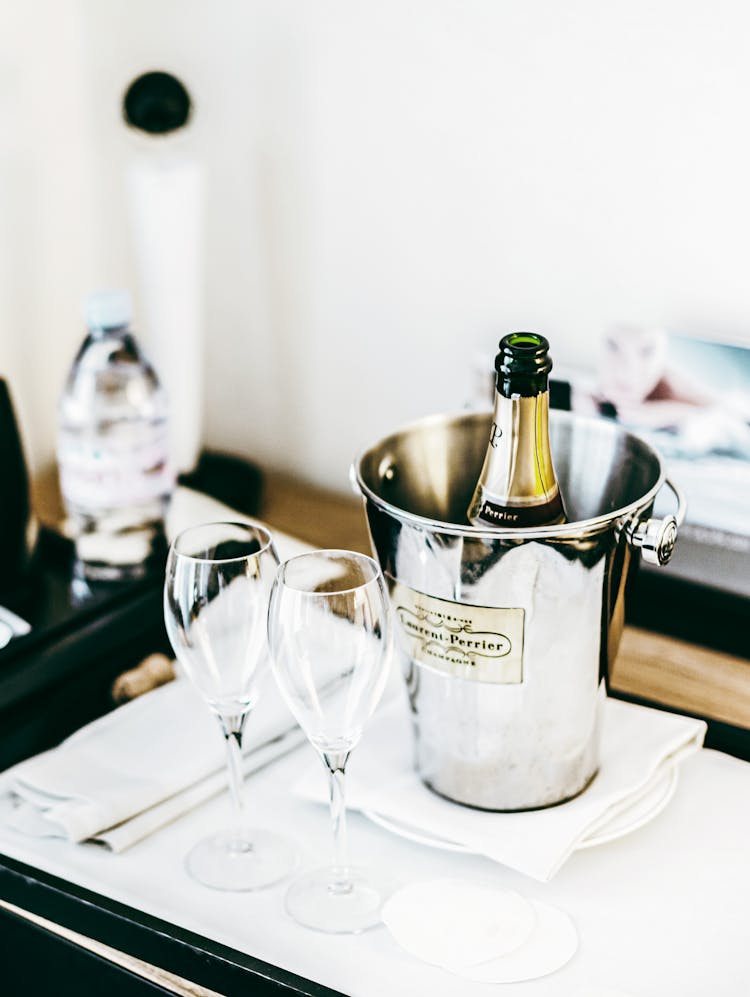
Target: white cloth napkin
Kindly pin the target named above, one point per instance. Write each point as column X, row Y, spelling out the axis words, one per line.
column 637, row 744
column 133, row 770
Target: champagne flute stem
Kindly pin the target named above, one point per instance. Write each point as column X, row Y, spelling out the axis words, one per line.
column 232, row 726
column 336, row 765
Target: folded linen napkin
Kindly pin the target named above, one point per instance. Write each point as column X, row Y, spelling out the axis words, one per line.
column 637, row 743
column 128, row 773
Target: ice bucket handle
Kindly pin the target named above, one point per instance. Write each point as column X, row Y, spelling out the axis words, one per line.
column 657, row 537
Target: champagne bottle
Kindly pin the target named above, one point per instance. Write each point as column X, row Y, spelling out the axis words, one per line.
column 518, row 486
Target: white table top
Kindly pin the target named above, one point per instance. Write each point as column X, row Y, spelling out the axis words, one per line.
column 660, row 912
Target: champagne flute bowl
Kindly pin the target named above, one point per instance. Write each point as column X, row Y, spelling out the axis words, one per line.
column 216, row 591
column 329, row 636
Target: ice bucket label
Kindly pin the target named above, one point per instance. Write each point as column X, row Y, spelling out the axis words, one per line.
column 482, row 643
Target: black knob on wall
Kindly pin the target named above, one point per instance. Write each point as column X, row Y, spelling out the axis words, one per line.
column 156, row 103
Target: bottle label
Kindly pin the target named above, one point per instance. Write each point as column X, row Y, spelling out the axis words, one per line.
column 104, row 475
column 478, row 643
column 509, row 513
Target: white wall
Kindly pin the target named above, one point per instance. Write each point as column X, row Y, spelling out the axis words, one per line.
column 46, row 218
column 390, row 187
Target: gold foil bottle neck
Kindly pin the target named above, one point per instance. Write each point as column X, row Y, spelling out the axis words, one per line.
column 517, row 486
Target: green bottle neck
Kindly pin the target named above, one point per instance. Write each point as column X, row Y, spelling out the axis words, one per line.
column 523, row 385
column 523, row 365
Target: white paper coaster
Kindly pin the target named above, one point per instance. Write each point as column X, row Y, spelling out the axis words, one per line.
column 456, row 924
column 552, row 943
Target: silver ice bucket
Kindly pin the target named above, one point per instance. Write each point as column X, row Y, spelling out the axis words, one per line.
column 506, row 636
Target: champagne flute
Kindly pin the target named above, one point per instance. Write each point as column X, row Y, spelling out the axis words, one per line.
column 215, row 602
column 329, row 636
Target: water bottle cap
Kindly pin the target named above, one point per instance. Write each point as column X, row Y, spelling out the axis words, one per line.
column 108, row 310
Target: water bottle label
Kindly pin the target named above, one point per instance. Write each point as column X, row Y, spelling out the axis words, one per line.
column 104, row 475
column 479, row 643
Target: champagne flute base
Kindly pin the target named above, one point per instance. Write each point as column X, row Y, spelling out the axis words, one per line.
column 236, row 862
column 315, row 901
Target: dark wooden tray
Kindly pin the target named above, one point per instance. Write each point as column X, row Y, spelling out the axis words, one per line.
column 59, row 676
column 39, row 962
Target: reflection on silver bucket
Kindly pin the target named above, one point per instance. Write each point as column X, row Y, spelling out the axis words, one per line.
column 506, row 637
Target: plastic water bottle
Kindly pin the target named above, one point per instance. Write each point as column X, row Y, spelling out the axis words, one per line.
column 116, row 475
